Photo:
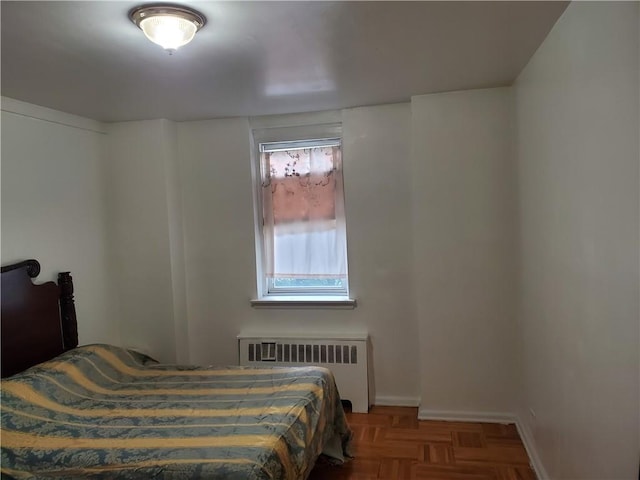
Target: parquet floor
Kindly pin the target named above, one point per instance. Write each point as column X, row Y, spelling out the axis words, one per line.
column 391, row 444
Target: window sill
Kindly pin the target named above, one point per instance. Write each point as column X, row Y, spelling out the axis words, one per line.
column 304, row 302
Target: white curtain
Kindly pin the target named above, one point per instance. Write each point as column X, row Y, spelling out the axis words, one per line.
column 303, row 212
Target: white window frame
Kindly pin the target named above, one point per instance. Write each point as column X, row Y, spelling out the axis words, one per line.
column 267, row 293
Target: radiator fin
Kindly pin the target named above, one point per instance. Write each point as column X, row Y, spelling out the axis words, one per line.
column 346, row 358
column 305, row 353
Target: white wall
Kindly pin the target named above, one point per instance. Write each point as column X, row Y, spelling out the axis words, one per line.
column 54, row 208
column 142, row 223
column 377, row 175
column 176, row 243
column 218, row 225
column 460, row 194
column 463, row 218
column 578, row 155
column 463, row 206
column 219, row 243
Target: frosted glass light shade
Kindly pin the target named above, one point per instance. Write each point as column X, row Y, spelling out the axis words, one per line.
column 168, row 26
column 168, row 32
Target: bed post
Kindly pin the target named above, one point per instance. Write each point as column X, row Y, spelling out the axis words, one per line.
column 67, row 311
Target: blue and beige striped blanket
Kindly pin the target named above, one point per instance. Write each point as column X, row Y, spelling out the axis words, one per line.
column 106, row 412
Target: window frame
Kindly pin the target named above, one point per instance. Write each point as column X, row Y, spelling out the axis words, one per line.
column 279, row 138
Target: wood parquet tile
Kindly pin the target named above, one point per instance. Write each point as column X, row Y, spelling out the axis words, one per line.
column 390, row 443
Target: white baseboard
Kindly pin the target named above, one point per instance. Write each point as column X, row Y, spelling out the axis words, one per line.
column 392, row 401
column 532, row 451
column 461, row 416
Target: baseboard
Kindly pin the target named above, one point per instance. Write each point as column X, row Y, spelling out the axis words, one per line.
column 532, row 451
column 392, row 401
column 461, row 416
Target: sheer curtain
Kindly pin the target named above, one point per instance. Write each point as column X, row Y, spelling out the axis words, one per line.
column 303, row 213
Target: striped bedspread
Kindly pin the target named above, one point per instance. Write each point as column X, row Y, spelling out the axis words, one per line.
column 106, row 412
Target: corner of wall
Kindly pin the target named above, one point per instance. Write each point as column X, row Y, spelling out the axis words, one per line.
column 530, row 445
column 49, row 115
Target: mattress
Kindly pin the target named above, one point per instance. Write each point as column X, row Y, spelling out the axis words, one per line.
column 107, row 412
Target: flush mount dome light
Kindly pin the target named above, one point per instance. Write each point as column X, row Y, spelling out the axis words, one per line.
column 170, row 26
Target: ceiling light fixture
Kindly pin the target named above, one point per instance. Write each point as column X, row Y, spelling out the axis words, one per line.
column 170, row 26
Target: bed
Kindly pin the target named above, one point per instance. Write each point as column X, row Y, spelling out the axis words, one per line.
column 101, row 411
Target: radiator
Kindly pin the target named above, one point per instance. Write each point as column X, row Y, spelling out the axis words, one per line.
column 346, row 356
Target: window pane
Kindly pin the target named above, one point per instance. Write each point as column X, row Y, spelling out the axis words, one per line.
column 305, row 254
column 282, row 282
column 303, row 224
column 301, row 161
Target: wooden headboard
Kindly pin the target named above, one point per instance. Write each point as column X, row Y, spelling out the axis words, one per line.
column 38, row 321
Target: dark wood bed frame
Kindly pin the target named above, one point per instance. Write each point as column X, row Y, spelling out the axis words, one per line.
column 38, row 321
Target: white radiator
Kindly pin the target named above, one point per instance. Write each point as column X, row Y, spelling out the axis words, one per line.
column 346, row 356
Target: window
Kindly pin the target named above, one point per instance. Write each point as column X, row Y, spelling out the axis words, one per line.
column 300, row 216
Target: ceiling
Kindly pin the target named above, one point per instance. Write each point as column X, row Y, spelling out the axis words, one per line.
column 259, row 58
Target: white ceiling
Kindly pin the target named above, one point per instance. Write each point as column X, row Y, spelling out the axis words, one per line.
column 258, row 58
